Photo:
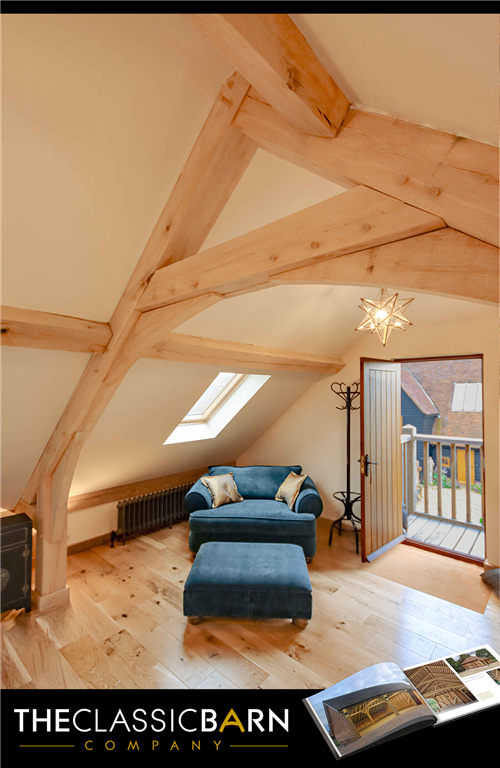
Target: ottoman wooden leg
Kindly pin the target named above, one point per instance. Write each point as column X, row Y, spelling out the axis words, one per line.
column 300, row 622
column 195, row 619
column 309, row 559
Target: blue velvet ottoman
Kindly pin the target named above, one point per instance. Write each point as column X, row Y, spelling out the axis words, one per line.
column 248, row 581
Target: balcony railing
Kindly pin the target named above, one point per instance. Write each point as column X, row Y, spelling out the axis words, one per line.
column 432, row 491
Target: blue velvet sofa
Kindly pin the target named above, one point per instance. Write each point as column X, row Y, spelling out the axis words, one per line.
column 259, row 518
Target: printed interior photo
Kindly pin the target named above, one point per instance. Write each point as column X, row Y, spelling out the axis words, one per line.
column 467, row 664
column 369, row 706
column 372, row 718
column 440, row 686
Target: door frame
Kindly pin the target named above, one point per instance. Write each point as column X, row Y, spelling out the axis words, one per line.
column 430, row 547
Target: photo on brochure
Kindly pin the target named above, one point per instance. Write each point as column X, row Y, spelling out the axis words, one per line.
column 440, row 686
column 465, row 665
column 373, row 705
column 383, row 701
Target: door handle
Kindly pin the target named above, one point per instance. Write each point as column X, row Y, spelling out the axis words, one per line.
column 365, row 465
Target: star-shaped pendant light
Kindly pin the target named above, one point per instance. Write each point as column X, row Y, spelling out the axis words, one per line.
column 384, row 314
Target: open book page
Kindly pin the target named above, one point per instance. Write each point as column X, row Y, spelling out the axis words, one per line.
column 375, row 704
column 459, row 684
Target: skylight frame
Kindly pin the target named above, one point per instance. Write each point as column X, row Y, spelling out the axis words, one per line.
column 219, row 401
column 240, row 395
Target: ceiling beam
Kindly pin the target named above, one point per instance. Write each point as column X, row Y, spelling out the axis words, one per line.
column 357, row 219
column 449, row 176
column 43, row 330
column 138, row 488
column 216, row 163
column 271, row 53
column 444, row 262
column 195, row 349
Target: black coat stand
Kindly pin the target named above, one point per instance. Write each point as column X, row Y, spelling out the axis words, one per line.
column 348, row 499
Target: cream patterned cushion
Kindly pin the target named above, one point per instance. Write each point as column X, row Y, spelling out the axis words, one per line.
column 222, row 489
column 290, row 489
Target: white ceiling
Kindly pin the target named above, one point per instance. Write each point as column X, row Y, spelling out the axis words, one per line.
column 36, row 385
column 318, row 319
column 440, row 69
column 100, row 112
column 127, row 443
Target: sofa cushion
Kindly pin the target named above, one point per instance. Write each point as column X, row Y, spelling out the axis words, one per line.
column 290, row 489
column 257, row 482
column 222, row 489
column 251, row 515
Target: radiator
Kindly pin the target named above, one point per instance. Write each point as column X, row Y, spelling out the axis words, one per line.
column 143, row 514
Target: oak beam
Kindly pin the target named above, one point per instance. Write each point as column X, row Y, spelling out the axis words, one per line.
column 61, row 484
column 138, row 488
column 153, row 327
column 195, row 349
column 444, row 263
column 357, row 219
column 44, row 330
column 216, row 163
column 449, row 176
column 271, row 53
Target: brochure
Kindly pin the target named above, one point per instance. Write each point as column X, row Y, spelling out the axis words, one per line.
column 385, row 701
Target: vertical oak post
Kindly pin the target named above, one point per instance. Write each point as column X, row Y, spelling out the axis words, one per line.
column 50, row 574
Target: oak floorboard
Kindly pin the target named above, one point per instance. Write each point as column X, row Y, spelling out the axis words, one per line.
column 124, row 625
column 60, row 626
column 456, row 625
column 176, row 656
column 14, row 673
column 404, row 638
column 391, row 651
column 216, row 680
column 128, row 654
column 129, row 617
column 290, row 672
column 233, row 665
column 46, row 665
column 159, row 678
column 90, row 662
column 94, row 620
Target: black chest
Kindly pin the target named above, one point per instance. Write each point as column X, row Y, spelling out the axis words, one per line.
column 15, row 562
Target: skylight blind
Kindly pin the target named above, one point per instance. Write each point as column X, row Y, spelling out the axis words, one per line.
column 211, row 393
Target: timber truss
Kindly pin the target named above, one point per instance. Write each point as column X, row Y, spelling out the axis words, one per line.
column 421, row 214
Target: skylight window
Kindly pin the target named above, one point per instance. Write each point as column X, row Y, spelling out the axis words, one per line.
column 220, row 402
column 467, row 397
column 214, row 395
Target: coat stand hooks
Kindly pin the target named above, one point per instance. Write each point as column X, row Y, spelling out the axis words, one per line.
column 347, row 498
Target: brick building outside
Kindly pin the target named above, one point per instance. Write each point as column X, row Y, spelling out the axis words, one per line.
column 438, row 379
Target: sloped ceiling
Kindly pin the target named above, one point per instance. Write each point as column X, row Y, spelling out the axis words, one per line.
column 36, row 385
column 439, row 69
column 100, row 112
column 319, row 319
column 127, row 443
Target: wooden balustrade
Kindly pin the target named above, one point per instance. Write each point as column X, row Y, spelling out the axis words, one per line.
column 409, row 440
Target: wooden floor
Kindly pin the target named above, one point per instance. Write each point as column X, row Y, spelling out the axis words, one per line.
column 448, row 534
column 124, row 627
